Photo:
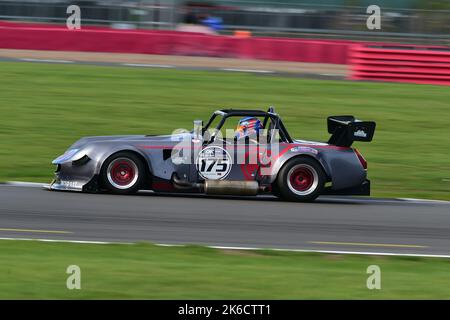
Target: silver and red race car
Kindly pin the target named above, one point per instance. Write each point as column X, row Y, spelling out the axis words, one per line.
column 258, row 156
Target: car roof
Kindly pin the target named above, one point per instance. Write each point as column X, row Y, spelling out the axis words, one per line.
column 244, row 112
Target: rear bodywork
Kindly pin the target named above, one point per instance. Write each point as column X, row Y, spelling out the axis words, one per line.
column 79, row 168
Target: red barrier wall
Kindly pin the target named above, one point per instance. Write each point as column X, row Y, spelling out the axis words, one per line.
column 51, row 37
column 416, row 64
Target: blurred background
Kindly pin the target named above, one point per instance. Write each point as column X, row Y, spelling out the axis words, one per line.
column 412, row 21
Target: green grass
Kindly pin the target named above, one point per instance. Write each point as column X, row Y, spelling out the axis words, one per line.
column 45, row 108
column 31, row 270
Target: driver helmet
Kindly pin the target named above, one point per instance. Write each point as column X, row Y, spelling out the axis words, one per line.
column 248, row 126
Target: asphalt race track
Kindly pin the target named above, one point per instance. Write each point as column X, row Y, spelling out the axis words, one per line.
column 329, row 224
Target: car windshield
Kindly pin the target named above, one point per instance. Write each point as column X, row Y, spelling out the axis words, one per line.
column 229, row 129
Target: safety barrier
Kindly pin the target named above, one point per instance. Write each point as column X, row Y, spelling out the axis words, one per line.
column 54, row 37
column 415, row 64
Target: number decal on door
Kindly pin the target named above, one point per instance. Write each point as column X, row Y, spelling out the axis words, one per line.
column 213, row 163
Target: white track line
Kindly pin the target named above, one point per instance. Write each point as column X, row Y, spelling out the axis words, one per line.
column 147, row 65
column 337, row 252
column 330, row 75
column 25, row 184
column 414, row 200
column 367, row 253
column 46, row 60
column 247, row 70
column 65, row 241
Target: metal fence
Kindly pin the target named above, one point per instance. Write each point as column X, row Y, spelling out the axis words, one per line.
column 133, row 15
column 266, row 18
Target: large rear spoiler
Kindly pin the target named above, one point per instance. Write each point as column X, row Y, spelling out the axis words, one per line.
column 346, row 129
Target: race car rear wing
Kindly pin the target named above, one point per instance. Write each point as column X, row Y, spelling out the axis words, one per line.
column 346, row 129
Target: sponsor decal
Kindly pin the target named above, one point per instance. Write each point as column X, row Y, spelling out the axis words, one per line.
column 70, row 184
column 360, row 133
column 213, row 163
column 304, row 149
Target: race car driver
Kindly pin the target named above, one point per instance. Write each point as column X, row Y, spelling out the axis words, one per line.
column 248, row 127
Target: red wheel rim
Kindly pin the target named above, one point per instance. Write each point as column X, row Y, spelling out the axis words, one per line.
column 122, row 173
column 301, row 179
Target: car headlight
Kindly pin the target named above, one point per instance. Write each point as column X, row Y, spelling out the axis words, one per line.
column 69, row 155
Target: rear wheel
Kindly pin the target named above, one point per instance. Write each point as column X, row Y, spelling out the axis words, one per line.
column 276, row 190
column 301, row 179
column 123, row 173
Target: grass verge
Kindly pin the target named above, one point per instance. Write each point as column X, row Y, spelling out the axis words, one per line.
column 47, row 107
column 37, row 270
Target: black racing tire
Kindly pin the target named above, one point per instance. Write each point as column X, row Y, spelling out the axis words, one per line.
column 301, row 179
column 276, row 190
column 123, row 173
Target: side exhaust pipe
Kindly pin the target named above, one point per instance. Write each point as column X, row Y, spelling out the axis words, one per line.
column 184, row 184
column 226, row 187
column 221, row 187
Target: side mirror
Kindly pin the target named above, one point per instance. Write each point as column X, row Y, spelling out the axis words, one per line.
column 198, row 130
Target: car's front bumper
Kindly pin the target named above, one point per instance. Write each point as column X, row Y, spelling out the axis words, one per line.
column 59, row 185
column 73, row 176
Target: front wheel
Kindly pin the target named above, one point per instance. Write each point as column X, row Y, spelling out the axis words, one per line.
column 301, row 179
column 123, row 173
